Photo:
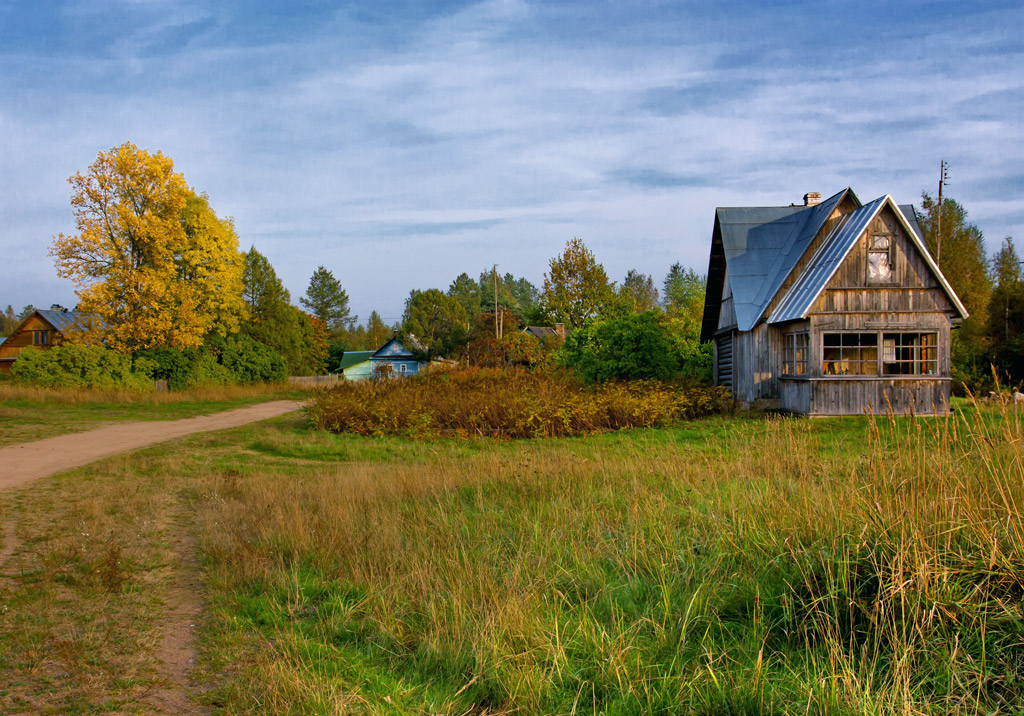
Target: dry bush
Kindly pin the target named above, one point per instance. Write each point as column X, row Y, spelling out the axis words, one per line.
column 511, row 403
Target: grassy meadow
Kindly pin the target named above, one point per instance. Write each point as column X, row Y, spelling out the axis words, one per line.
column 731, row 565
column 32, row 413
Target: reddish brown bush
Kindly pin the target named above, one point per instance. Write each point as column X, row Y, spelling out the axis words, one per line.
column 511, row 403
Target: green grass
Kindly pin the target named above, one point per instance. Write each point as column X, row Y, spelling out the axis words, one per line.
column 32, row 414
column 737, row 565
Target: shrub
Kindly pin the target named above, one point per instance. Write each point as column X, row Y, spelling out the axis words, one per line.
column 80, row 366
column 513, row 403
column 249, row 361
column 187, row 368
column 629, row 348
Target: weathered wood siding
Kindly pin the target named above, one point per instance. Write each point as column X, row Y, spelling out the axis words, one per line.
column 757, row 361
column 795, row 394
column 844, row 396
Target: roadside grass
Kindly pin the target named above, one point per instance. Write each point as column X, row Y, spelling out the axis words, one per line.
column 31, row 413
column 732, row 565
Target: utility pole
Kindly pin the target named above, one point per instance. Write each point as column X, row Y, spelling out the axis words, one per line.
column 943, row 179
column 494, row 277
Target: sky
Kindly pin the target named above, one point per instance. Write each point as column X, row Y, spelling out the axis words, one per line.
column 399, row 143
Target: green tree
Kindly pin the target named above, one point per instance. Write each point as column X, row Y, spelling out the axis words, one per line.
column 576, row 288
column 628, row 348
column 963, row 253
column 963, row 263
column 301, row 339
column 8, row 321
column 437, row 320
column 684, row 290
column 327, row 300
column 377, row 332
column 637, row 293
column 1005, row 328
column 26, row 312
column 467, row 292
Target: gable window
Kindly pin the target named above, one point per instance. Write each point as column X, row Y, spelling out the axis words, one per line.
column 849, row 353
column 795, row 352
column 40, row 338
column 880, row 259
column 910, row 354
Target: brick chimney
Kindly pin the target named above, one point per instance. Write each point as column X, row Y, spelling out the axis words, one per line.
column 560, row 330
column 812, row 198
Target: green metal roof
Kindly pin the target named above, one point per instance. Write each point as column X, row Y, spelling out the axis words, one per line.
column 350, row 358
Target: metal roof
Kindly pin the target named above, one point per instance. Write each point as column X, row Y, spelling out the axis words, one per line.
column 61, row 320
column 834, row 250
column 762, row 245
column 350, row 358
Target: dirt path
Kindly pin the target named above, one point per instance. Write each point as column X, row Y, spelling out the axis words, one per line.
column 29, row 461
column 177, row 650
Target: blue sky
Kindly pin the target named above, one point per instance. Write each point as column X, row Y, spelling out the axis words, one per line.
column 401, row 143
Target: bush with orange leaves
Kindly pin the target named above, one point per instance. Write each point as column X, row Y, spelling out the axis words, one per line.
column 509, row 403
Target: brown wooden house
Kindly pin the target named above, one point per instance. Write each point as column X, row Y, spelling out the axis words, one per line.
column 41, row 329
column 828, row 308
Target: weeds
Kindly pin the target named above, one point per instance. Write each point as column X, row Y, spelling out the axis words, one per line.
column 510, row 403
column 782, row 569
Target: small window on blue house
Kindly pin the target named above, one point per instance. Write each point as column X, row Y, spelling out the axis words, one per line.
column 403, row 368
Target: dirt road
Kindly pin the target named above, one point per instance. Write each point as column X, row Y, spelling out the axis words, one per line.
column 29, row 461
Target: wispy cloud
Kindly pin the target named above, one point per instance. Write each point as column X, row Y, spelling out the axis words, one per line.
column 401, row 144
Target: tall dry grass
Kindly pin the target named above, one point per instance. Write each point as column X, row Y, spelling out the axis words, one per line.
column 80, row 396
column 778, row 567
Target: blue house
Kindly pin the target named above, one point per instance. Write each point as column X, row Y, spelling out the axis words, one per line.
column 355, row 365
column 396, row 360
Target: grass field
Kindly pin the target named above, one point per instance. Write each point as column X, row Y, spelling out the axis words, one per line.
column 737, row 565
column 30, row 413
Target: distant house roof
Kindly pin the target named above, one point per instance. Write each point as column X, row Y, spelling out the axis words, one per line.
column 758, row 247
column 351, row 358
column 399, row 350
column 60, row 320
column 540, row 331
column 2, row 339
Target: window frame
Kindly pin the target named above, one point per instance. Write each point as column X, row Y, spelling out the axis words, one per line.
column 791, row 345
column 920, row 351
column 889, row 258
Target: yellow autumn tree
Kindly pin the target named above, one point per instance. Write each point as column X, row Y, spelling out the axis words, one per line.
column 153, row 264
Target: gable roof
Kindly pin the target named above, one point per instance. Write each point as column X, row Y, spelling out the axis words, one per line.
column 395, row 349
column 59, row 320
column 759, row 246
column 834, row 250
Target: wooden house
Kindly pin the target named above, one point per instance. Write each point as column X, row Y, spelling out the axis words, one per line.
column 40, row 329
column 828, row 308
column 355, row 365
column 395, row 360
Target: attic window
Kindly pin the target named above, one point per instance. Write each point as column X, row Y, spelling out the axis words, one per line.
column 880, row 259
column 40, row 338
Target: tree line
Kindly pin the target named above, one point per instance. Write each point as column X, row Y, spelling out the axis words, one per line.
column 157, row 271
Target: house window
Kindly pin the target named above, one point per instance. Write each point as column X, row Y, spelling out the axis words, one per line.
column 402, row 368
column 910, row 354
column 849, row 354
column 796, row 348
column 880, row 259
column 40, row 338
